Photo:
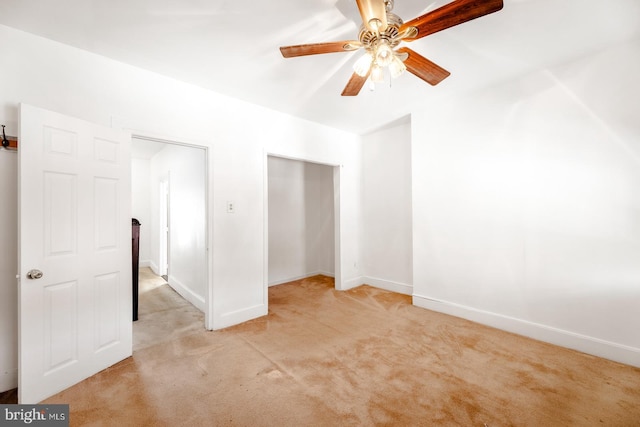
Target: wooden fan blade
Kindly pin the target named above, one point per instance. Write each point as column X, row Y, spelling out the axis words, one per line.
column 317, row 48
column 354, row 85
column 450, row 15
column 423, row 68
column 374, row 14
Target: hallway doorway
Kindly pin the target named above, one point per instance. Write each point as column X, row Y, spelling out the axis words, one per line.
column 169, row 199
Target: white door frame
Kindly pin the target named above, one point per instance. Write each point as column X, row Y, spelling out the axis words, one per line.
column 165, row 184
column 208, row 303
column 337, row 241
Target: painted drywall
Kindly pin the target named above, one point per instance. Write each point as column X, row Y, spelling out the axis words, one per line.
column 141, row 205
column 238, row 136
column 301, row 225
column 387, row 208
column 8, row 269
column 320, row 235
column 185, row 167
column 525, row 205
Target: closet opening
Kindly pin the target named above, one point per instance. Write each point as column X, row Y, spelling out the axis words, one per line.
column 303, row 201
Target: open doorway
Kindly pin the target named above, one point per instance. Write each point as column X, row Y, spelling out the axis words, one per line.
column 163, row 232
column 169, row 199
column 303, row 199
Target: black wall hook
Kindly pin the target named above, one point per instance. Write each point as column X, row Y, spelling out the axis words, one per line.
column 5, row 141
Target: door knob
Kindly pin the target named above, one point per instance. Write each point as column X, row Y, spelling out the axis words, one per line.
column 34, row 274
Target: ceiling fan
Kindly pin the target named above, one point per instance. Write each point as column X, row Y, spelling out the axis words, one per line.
column 381, row 33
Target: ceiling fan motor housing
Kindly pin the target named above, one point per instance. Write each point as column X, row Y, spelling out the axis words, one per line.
column 388, row 4
column 370, row 39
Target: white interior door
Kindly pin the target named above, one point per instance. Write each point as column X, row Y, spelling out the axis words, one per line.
column 75, row 227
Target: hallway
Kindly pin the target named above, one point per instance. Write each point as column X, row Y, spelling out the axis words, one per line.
column 163, row 315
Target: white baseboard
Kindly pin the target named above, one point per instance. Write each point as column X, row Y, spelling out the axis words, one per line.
column 352, row 283
column 239, row 316
column 388, row 285
column 293, row 279
column 323, row 273
column 9, row 380
column 144, row 263
column 586, row 344
column 187, row 293
column 152, row 265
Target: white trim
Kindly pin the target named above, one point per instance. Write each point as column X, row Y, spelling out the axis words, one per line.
column 144, row 263
column 388, row 285
column 322, row 273
column 293, row 279
column 352, row 283
column 9, row 380
column 152, row 265
column 207, row 146
column 586, row 344
column 240, row 316
column 337, row 227
column 265, row 228
column 164, row 222
column 337, row 217
column 209, row 204
column 187, row 293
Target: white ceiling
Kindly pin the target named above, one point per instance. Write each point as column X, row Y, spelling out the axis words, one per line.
column 231, row 46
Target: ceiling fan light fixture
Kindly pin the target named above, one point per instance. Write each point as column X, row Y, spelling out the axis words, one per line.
column 383, row 53
column 375, row 24
column 381, row 33
column 377, row 74
column 396, row 67
column 363, row 64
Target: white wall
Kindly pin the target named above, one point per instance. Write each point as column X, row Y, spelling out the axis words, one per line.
column 77, row 83
column 185, row 167
column 8, row 269
column 320, row 212
column 301, row 226
column 141, row 205
column 526, row 206
column 387, row 208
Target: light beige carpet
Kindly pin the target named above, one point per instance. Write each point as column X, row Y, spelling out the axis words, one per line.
column 163, row 315
column 356, row 358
